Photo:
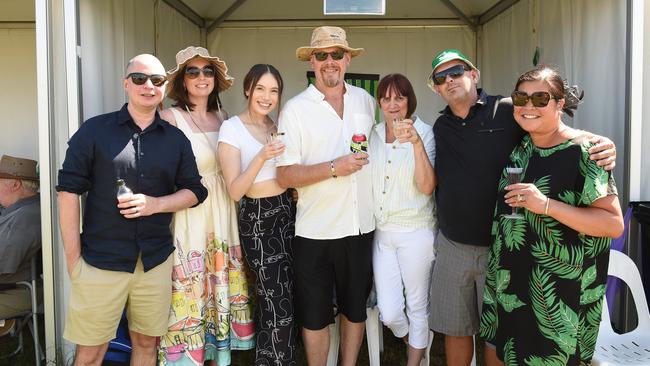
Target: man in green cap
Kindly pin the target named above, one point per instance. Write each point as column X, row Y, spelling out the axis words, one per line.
column 474, row 135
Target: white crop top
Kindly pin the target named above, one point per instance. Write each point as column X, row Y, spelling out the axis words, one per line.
column 234, row 133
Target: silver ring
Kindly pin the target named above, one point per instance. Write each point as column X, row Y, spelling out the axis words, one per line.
column 520, row 198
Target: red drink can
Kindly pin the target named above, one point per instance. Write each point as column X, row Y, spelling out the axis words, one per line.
column 359, row 143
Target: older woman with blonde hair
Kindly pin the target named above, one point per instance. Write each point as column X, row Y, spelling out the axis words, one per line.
column 211, row 312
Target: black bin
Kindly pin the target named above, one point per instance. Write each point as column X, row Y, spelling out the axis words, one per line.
column 641, row 211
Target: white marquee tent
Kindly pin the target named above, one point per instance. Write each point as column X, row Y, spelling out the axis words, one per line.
column 63, row 61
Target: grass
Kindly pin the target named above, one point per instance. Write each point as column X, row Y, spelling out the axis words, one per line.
column 394, row 353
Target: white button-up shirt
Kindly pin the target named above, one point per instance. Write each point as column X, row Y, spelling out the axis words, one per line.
column 399, row 205
column 314, row 133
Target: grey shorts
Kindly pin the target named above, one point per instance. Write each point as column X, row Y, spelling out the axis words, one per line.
column 457, row 287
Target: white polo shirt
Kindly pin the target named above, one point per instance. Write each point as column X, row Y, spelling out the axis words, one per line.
column 314, row 133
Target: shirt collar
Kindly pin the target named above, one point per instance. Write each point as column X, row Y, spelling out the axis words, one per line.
column 482, row 99
column 20, row 203
column 316, row 94
column 124, row 117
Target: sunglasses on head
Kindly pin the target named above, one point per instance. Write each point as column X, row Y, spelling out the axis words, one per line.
column 455, row 72
column 539, row 99
column 336, row 55
column 139, row 78
column 193, row 72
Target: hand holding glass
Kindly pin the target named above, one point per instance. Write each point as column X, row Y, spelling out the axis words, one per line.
column 514, row 177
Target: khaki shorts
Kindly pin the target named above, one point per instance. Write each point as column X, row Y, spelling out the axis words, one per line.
column 15, row 302
column 98, row 298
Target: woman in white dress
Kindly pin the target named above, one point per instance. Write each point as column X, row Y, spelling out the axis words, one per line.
column 211, row 313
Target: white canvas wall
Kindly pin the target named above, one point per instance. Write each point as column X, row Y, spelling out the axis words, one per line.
column 388, row 50
column 112, row 32
column 585, row 39
column 19, row 123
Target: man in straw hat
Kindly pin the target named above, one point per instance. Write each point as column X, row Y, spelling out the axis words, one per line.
column 334, row 222
column 20, row 233
column 123, row 257
column 475, row 135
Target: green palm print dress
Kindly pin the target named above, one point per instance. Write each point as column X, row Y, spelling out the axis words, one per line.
column 545, row 281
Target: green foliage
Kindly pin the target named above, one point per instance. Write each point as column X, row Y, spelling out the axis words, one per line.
column 515, row 233
column 545, row 227
column 588, row 277
column 509, row 354
column 561, row 260
column 555, row 360
column 592, row 295
column 489, row 322
column 594, row 245
column 555, row 320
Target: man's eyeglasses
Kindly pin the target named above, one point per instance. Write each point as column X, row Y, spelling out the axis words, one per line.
column 539, row 99
column 193, row 72
column 455, row 72
column 336, row 55
column 139, row 78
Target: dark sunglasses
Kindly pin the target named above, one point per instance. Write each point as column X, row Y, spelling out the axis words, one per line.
column 539, row 99
column 455, row 72
column 336, row 55
column 193, row 72
column 139, row 78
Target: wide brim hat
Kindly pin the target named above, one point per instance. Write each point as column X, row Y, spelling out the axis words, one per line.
column 325, row 37
column 224, row 81
column 18, row 168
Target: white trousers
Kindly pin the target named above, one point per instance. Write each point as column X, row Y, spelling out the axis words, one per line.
column 402, row 264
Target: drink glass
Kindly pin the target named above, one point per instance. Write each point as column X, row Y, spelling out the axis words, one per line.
column 274, row 138
column 398, row 126
column 514, row 176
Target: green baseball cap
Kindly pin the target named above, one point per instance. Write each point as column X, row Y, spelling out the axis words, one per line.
column 449, row 55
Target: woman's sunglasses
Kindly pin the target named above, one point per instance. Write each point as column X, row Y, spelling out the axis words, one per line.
column 193, row 72
column 139, row 78
column 322, row 56
column 455, row 72
column 539, row 99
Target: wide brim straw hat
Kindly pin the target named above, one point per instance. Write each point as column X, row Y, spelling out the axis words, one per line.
column 224, row 81
column 325, row 37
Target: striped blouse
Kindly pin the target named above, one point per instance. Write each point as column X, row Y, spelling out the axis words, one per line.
column 399, row 205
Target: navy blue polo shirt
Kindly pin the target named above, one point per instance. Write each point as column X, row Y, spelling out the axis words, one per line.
column 156, row 162
column 470, row 155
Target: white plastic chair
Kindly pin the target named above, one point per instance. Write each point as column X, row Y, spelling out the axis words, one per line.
column 631, row 348
column 374, row 338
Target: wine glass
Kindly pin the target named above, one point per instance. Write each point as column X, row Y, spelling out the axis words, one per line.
column 398, row 129
column 273, row 138
column 514, row 177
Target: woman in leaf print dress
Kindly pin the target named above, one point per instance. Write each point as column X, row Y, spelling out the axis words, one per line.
column 546, row 272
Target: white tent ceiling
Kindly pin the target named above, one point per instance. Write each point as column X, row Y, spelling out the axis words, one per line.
column 207, row 12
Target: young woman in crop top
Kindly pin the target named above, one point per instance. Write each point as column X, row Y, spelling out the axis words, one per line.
column 248, row 144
